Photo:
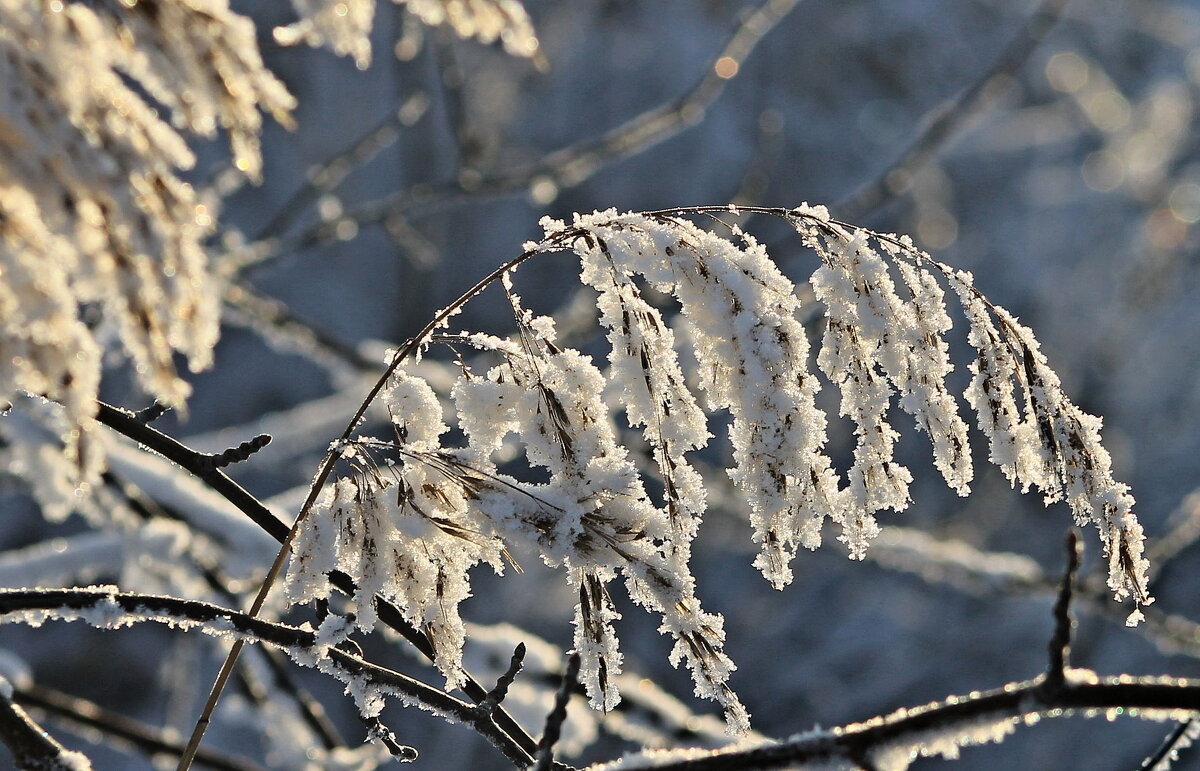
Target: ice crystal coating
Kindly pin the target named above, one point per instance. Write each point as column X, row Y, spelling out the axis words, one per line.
column 752, row 354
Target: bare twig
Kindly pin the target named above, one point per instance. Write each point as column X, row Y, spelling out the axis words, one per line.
column 1060, row 643
column 496, row 696
column 574, row 164
column 327, row 175
column 237, row 454
column 558, row 715
column 387, row 738
column 272, row 320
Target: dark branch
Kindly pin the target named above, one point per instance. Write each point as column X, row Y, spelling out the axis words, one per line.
column 385, row 736
column 1008, row 705
column 1181, row 737
column 194, row 463
column 237, row 454
column 496, row 696
column 1060, row 643
column 558, row 715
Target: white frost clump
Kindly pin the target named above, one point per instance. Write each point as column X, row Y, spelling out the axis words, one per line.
column 92, row 210
column 752, row 355
column 406, row 532
column 69, row 760
column 410, row 530
column 345, row 25
column 1048, row 442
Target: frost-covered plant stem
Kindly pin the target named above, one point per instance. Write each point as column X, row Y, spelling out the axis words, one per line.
column 885, row 337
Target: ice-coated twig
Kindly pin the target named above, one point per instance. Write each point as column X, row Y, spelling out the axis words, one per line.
column 324, row 177
column 195, row 462
column 558, row 715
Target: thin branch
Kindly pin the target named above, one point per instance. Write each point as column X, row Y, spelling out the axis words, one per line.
column 237, row 454
column 311, row 710
column 949, row 117
column 327, row 175
column 1009, row 705
column 275, row 322
column 385, row 736
column 194, row 463
column 1060, row 643
column 149, row 740
column 496, row 696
